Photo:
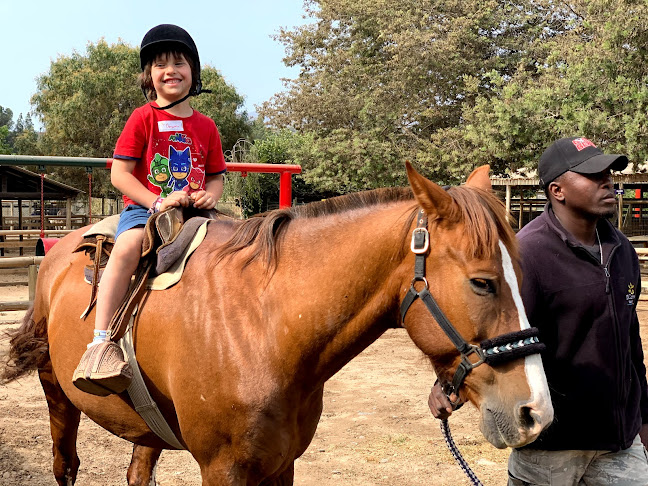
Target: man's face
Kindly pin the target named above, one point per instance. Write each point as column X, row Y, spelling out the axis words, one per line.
column 590, row 195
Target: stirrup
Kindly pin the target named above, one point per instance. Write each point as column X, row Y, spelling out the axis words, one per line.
column 102, row 370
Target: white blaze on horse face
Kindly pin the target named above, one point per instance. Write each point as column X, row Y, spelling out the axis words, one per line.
column 540, row 399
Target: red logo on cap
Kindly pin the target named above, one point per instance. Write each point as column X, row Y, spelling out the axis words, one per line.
column 582, row 143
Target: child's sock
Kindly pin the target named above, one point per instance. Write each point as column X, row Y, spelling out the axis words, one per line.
column 100, row 336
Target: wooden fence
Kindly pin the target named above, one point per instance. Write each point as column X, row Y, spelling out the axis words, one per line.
column 31, row 263
column 25, row 239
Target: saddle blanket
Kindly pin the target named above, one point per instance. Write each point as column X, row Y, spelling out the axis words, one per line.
column 171, row 260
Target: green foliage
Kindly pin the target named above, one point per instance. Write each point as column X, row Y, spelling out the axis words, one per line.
column 5, row 148
column 6, row 117
column 593, row 83
column 380, row 78
column 225, row 106
column 18, row 138
column 259, row 192
column 83, row 103
column 85, row 99
column 25, row 139
column 455, row 84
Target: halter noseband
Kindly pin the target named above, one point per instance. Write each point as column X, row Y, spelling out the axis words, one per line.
column 500, row 349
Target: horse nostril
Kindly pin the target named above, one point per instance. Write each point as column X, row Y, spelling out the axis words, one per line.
column 527, row 417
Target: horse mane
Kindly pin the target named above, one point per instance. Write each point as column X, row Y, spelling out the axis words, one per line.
column 482, row 213
column 263, row 231
column 485, row 220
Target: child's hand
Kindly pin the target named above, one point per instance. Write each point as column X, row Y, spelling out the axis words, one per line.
column 203, row 200
column 176, row 198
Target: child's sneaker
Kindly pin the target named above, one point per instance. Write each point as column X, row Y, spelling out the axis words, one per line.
column 102, row 370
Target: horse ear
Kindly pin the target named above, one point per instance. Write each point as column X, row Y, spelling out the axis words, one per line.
column 479, row 178
column 432, row 198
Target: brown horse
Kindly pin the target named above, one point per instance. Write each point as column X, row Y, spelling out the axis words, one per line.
column 237, row 353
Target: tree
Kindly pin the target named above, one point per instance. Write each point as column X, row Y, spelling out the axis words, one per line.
column 20, row 138
column 225, row 106
column 6, row 117
column 593, row 83
column 5, row 148
column 85, row 99
column 24, row 137
column 379, row 79
column 6, row 121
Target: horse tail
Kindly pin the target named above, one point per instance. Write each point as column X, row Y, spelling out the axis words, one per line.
column 28, row 348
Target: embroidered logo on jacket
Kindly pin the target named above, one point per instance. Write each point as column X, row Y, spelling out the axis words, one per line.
column 630, row 296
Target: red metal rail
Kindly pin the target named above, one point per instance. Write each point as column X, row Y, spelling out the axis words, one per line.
column 285, row 171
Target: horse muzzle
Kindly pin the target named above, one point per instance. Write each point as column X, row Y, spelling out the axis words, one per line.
column 517, row 428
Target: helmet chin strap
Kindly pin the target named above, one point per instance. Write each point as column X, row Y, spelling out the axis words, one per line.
column 177, row 102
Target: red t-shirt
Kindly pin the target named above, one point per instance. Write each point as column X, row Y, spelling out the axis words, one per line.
column 172, row 153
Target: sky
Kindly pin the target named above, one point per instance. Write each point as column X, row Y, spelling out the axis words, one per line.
column 233, row 36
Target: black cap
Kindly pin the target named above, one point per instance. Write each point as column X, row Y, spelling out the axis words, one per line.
column 576, row 154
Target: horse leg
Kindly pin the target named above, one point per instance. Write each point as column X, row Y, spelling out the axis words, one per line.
column 285, row 479
column 64, row 425
column 141, row 471
column 216, row 476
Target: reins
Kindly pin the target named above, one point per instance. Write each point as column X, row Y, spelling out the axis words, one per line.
column 454, row 450
column 500, row 349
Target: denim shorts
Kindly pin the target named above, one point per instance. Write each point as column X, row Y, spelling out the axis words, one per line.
column 133, row 216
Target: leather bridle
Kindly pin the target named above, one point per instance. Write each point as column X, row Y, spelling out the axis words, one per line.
column 500, row 349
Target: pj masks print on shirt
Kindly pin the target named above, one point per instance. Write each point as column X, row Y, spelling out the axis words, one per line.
column 181, row 170
column 180, row 166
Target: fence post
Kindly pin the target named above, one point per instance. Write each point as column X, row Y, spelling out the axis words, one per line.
column 32, row 274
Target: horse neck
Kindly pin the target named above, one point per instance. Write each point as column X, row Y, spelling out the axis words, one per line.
column 337, row 285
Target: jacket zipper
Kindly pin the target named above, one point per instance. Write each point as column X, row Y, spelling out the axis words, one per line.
column 615, row 319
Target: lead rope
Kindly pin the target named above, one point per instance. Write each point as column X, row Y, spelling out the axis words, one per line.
column 454, row 450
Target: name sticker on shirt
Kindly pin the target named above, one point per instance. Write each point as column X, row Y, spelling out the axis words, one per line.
column 170, row 126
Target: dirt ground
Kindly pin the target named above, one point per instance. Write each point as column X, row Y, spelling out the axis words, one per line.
column 375, row 430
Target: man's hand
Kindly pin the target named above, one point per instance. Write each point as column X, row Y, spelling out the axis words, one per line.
column 439, row 404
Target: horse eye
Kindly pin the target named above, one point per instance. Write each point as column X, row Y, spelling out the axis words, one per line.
column 482, row 286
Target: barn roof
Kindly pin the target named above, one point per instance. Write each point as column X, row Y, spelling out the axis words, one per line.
column 17, row 183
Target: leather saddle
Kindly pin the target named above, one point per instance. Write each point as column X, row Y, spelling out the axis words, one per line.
column 167, row 236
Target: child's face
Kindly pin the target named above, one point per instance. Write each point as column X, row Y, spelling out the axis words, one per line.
column 171, row 77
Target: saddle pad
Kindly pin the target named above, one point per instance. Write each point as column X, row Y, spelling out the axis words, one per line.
column 107, row 227
column 172, row 275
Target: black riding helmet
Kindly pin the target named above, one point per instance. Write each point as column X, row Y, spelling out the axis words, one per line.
column 168, row 36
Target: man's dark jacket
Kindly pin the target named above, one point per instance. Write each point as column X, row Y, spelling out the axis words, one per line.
column 586, row 314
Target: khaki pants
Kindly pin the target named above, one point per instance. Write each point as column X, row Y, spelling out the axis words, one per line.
column 628, row 467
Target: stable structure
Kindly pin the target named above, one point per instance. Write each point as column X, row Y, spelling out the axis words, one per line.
column 17, row 184
column 526, row 200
